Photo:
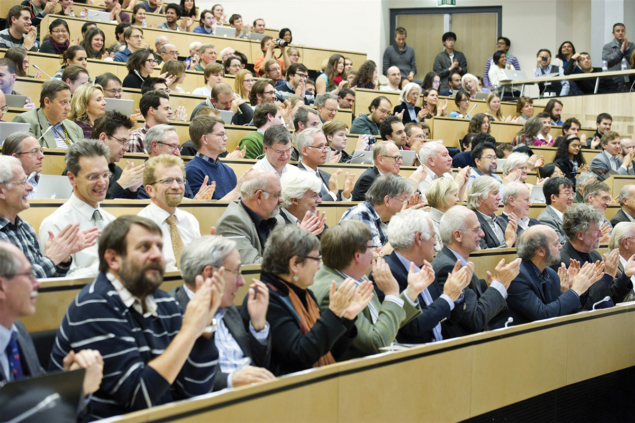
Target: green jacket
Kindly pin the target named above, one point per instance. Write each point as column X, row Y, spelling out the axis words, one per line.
column 370, row 337
column 39, row 125
column 255, row 149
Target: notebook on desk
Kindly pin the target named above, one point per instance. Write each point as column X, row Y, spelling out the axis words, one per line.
column 9, row 128
column 15, row 101
column 122, row 106
column 513, row 75
column 53, row 187
column 225, row 31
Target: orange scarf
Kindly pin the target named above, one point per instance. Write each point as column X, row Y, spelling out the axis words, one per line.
column 308, row 319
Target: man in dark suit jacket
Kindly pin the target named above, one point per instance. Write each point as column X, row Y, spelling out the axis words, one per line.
column 536, row 293
column 627, row 201
column 483, row 196
column 408, row 231
column 234, row 340
column 385, row 159
column 461, row 233
column 19, row 288
column 581, row 223
column 517, row 201
column 313, row 149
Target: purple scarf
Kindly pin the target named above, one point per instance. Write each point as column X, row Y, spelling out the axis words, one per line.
column 60, row 48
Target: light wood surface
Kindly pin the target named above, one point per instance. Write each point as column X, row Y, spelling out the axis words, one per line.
column 476, row 38
column 462, row 378
column 421, row 27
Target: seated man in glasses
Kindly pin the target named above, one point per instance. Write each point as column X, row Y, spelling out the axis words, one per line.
column 111, row 84
column 24, row 147
column 164, row 181
column 88, row 172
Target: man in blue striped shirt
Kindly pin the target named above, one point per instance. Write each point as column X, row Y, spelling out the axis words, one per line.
column 153, row 352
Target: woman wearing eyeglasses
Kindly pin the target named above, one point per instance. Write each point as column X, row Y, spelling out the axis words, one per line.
column 462, row 100
column 87, row 105
column 303, row 335
column 59, row 38
column 140, row 66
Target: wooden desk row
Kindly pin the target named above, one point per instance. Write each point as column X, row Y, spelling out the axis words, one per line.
column 439, row 382
column 451, row 130
column 363, row 98
column 312, row 57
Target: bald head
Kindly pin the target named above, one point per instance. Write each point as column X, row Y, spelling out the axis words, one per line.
column 394, row 76
column 540, row 245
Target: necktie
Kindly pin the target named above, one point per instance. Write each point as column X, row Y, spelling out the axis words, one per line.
column 98, row 220
column 177, row 242
column 15, row 367
column 427, row 299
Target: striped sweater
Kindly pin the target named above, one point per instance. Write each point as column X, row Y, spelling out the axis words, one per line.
column 98, row 319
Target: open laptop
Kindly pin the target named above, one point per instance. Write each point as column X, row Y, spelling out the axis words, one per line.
column 8, row 128
column 95, row 15
column 256, row 36
column 227, row 116
column 53, row 187
column 122, row 106
column 15, row 101
column 52, row 397
column 481, row 96
column 513, row 75
column 537, row 196
column 362, row 157
column 225, row 31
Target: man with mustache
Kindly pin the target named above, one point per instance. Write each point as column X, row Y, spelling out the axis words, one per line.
column 164, row 180
column 154, row 353
column 251, row 219
column 88, row 173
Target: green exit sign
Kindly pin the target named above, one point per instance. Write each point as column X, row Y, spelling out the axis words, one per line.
column 447, row 3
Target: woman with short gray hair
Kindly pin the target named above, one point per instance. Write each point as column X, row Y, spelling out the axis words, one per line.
column 303, row 336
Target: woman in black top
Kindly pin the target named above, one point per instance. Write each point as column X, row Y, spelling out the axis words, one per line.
column 569, row 158
column 140, row 66
column 302, row 335
column 59, row 38
column 188, row 9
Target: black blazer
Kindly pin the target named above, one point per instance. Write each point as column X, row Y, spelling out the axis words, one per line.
column 620, row 216
column 260, row 354
column 406, row 116
column 615, row 288
column 490, row 240
column 567, row 168
column 419, row 329
column 293, row 350
column 325, row 177
column 28, row 356
column 528, row 300
column 364, row 182
column 482, row 303
column 504, row 217
column 132, row 80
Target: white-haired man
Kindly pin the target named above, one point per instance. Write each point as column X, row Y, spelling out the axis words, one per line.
column 483, row 197
column 623, row 238
column 517, row 201
column 313, row 149
column 413, row 238
column 301, row 197
column 461, row 234
column 436, row 158
column 627, row 201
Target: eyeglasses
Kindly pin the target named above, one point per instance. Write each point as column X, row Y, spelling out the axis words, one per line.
column 568, row 194
column 34, row 152
column 28, row 274
column 152, row 61
column 319, row 147
column 269, row 92
column 20, row 182
column 396, row 158
column 96, row 176
column 331, row 110
column 490, row 157
column 282, row 152
column 4, row 109
column 318, row 258
column 170, row 181
column 124, row 143
column 173, row 53
column 238, row 272
column 59, row 31
column 173, row 147
column 115, row 91
column 278, row 195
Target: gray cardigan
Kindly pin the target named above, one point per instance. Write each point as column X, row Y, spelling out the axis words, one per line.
column 403, row 59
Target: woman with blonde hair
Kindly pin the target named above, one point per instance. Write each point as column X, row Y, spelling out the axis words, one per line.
column 87, row 105
column 442, row 194
column 177, row 69
column 243, row 84
column 470, row 84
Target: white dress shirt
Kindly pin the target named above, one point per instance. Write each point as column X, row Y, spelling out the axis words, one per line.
column 186, row 224
column 85, row 262
column 264, row 164
column 331, row 193
column 431, row 176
